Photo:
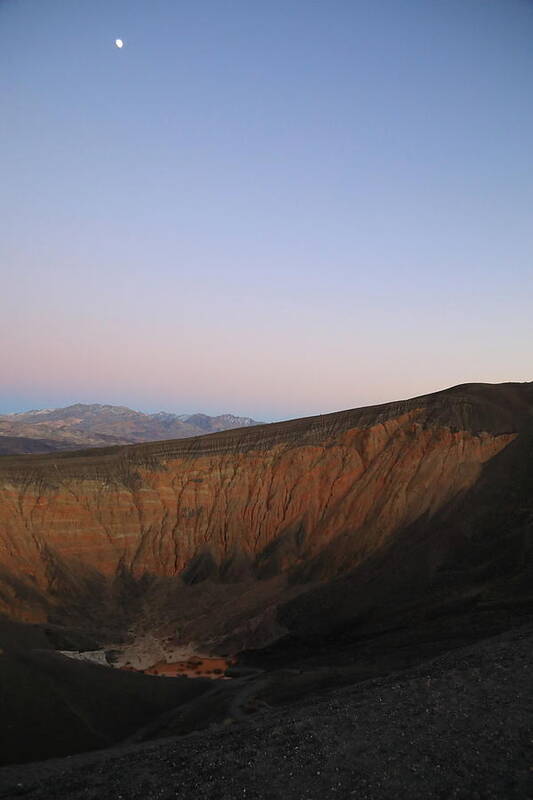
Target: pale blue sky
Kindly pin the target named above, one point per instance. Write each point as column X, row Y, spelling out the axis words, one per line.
column 269, row 208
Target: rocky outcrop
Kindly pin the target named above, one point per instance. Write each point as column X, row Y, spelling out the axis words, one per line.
column 302, row 502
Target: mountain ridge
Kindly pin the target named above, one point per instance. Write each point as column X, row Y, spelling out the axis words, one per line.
column 461, row 408
column 95, row 424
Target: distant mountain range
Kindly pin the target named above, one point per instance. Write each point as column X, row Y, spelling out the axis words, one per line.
column 96, row 425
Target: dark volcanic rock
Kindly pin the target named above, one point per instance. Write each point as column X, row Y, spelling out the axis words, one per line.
column 456, row 727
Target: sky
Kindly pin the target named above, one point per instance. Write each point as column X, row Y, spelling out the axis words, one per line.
column 270, row 208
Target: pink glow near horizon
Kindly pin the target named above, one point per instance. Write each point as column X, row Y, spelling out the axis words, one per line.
column 280, row 374
column 267, row 209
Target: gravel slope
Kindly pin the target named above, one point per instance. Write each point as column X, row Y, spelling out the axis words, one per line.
column 460, row 726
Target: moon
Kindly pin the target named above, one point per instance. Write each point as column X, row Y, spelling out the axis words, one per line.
column 119, row 43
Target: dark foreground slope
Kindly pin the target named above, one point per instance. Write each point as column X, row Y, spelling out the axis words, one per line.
column 459, row 726
column 51, row 705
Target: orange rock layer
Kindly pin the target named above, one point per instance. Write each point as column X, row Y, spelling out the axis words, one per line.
column 276, row 494
column 197, row 667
